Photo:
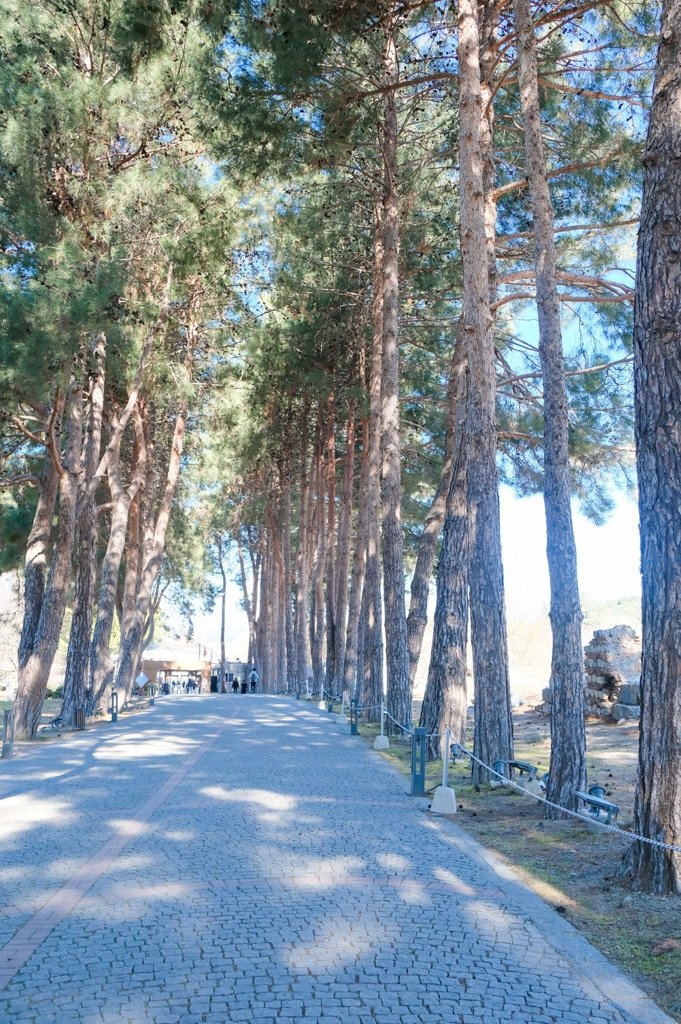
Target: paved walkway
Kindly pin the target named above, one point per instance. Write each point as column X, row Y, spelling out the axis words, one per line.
column 224, row 859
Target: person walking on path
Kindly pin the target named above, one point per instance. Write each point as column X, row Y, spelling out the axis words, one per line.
column 253, row 679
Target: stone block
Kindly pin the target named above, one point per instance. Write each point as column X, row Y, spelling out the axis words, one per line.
column 630, row 694
column 546, row 695
column 625, row 712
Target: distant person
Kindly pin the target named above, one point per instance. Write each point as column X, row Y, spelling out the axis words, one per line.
column 235, row 685
column 253, row 679
column 244, row 687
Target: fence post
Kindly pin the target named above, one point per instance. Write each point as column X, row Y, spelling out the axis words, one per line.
column 354, row 723
column 418, row 763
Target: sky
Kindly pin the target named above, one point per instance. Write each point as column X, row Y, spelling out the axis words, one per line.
column 608, row 566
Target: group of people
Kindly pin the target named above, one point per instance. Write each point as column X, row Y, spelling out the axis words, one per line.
column 250, row 683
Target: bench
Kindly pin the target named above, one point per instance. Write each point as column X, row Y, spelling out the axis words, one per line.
column 522, row 767
column 596, row 804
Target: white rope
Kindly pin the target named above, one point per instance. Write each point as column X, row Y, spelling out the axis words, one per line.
column 574, row 814
column 410, row 732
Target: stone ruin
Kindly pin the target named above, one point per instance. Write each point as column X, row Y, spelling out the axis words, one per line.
column 612, row 662
column 612, row 665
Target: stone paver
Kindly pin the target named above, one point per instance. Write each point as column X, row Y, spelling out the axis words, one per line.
column 239, row 858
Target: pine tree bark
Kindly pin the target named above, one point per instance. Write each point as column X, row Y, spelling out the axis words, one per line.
column 657, row 396
column 34, row 670
column 372, row 614
column 330, row 535
column 417, row 616
column 397, row 655
column 287, row 580
column 493, row 723
column 37, row 555
column 78, row 651
column 250, row 606
column 222, row 682
column 343, row 550
column 445, row 700
column 101, row 666
column 568, row 740
column 303, row 561
column 351, row 655
column 133, row 639
column 317, row 623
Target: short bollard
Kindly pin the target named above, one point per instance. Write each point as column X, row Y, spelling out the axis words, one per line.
column 444, row 797
column 382, row 742
column 418, row 763
column 8, row 733
column 152, row 695
column 114, row 706
column 354, row 718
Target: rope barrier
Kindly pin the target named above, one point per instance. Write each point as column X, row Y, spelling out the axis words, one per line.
column 573, row 814
column 410, row 732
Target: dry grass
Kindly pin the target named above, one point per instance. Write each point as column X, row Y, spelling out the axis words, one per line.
column 572, row 868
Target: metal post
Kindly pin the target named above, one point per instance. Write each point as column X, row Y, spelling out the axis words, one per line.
column 445, row 759
column 8, row 733
column 418, row 763
column 353, row 717
column 152, row 695
column 114, row 706
column 382, row 718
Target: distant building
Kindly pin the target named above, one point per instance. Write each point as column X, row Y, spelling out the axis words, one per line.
column 179, row 664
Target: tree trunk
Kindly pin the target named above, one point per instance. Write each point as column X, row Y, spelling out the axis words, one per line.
column 372, row 617
column 34, row 672
column 318, row 562
column 657, row 380
column 343, row 553
column 493, row 723
column 77, row 655
column 568, row 741
column 37, row 553
column 132, row 641
column 287, row 579
column 397, row 656
column 351, row 654
column 329, row 546
column 101, row 663
column 444, row 701
column 423, row 570
column 249, row 606
column 302, row 609
column 222, row 686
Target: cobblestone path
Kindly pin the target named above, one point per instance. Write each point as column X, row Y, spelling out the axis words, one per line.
column 239, row 858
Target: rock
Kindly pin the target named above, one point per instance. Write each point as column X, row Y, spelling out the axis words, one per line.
column 546, row 695
column 611, row 661
column 630, row 693
column 625, row 712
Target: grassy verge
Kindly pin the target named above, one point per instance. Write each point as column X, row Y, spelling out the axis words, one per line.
column 573, row 869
